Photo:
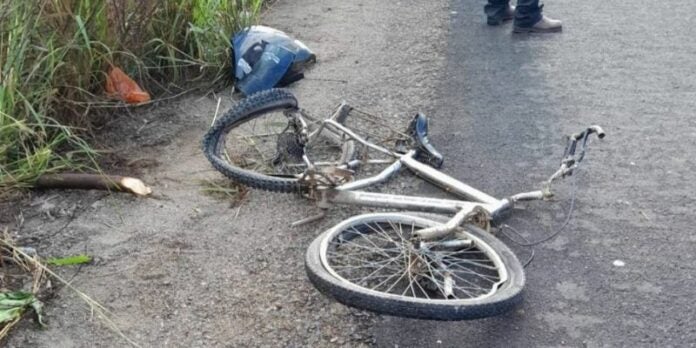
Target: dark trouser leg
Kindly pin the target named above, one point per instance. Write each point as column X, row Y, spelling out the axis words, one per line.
column 495, row 10
column 527, row 13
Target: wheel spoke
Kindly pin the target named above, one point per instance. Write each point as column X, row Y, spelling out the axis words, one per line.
column 390, row 277
column 379, row 269
column 379, row 263
column 422, row 290
column 466, row 281
column 397, row 281
column 376, row 248
column 383, row 233
column 473, row 263
column 366, row 252
column 431, row 276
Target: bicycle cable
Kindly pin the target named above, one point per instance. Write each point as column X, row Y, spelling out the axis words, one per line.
column 525, row 242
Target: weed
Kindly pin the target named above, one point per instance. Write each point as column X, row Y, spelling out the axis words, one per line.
column 69, row 260
column 38, row 274
column 54, row 55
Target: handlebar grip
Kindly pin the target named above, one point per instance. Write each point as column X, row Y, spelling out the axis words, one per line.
column 591, row 129
column 600, row 132
column 573, row 140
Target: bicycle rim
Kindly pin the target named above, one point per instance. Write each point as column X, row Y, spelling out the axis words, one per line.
column 375, row 254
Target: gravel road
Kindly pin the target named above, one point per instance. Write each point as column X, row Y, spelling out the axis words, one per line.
column 183, row 269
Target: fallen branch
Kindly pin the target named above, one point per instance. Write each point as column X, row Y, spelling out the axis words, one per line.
column 93, row 182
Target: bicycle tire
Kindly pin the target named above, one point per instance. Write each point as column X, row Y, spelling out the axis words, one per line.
column 508, row 296
column 249, row 108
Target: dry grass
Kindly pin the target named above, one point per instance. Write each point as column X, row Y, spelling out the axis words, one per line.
column 30, row 268
column 225, row 190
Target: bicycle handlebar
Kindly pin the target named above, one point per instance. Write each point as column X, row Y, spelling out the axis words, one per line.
column 569, row 157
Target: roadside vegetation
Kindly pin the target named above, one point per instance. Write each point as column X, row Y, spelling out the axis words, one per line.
column 54, row 59
column 55, row 56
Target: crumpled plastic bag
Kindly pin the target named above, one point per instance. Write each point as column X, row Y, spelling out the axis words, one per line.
column 264, row 58
column 120, row 86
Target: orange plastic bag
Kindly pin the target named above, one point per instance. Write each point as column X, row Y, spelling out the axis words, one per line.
column 120, row 86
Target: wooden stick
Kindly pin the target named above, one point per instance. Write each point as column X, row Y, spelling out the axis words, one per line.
column 93, row 181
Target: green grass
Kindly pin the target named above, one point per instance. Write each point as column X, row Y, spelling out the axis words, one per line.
column 69, row 260
column 54, row 55
column 14, row 304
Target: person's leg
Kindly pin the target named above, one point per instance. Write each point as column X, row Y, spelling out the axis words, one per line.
column 528, row 13
column 498, row 11
column 528, row 18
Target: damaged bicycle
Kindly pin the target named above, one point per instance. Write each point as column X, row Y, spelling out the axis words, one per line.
column 436, row 259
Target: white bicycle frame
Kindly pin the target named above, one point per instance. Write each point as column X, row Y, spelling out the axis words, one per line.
column 349, row 193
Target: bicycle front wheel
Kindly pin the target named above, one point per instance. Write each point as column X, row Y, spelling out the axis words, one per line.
column 370, row 262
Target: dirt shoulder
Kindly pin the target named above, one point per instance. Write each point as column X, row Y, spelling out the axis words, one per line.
column 185, row 269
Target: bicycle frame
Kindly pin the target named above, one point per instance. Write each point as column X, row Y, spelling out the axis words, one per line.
column 349, row 193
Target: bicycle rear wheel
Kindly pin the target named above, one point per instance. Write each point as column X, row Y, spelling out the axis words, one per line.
column 369, row 262
column 257, row 143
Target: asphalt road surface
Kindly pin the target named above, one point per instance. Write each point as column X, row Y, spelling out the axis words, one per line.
column 629, row 66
